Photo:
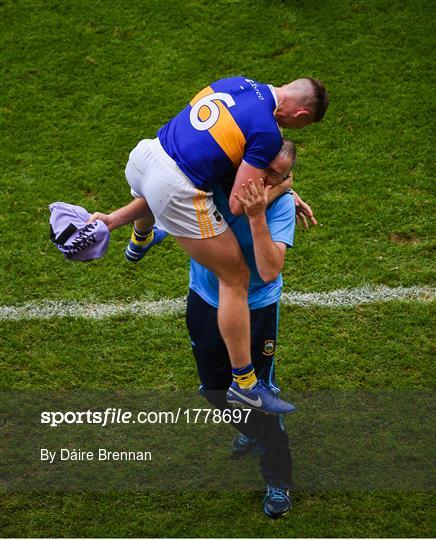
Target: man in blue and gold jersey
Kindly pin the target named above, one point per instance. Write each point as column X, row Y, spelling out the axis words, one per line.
column 231, row 126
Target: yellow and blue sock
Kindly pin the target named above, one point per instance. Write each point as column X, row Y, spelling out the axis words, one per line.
column 142, row 238
column 245, row 377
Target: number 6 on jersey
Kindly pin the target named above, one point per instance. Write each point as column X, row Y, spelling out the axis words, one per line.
column 214, row 112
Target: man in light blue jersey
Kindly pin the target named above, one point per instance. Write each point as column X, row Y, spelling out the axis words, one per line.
column 264, row 238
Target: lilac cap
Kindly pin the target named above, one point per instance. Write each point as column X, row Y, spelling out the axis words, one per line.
column 75, row 238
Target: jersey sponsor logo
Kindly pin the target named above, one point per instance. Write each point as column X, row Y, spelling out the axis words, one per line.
column 269, row 347
column 255, row 87
column 211, row 112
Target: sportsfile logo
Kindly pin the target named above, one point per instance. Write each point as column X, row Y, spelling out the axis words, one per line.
column 82, row 240
column 115, row 415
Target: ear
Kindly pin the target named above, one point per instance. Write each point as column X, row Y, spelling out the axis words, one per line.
column 301, row 112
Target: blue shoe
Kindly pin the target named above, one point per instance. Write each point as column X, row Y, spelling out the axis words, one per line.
column 260, row 397
column 277, row 502
column 243, row 446
column 135, row 252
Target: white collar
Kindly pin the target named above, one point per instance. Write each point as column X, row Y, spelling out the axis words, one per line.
column 273, row 92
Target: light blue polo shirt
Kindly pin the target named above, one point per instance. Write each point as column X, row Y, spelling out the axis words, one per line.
column 280, row 217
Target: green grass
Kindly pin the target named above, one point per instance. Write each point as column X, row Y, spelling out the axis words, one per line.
column 318, row 349
column 81, row 83
column 205, row 515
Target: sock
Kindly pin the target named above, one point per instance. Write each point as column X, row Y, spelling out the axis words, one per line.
column 142, row 238
column 245, row 377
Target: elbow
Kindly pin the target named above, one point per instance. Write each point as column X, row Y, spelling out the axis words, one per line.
column 271, row 272
column 269, row 275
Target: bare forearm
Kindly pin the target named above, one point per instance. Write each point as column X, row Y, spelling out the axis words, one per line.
column 137, row 209
column 245, row 173
column 276, row 191
column 269, row 259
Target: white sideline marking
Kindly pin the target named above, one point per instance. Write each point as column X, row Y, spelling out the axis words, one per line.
column 49, row 309
column 362, row 295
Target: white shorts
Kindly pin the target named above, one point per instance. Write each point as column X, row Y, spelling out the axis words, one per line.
column 178, row 206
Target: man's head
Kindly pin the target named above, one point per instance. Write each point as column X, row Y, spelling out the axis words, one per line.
column 301, row 103
column 280, row 167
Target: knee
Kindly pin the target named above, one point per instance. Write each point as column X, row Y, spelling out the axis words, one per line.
column 238, row 277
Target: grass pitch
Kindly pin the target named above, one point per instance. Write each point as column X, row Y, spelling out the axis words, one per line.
column 82, row 82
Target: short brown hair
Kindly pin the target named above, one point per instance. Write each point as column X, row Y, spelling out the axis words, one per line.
column 320, row 99
column 289, row 150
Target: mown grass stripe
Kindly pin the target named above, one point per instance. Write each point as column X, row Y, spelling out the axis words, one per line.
column 49, row 309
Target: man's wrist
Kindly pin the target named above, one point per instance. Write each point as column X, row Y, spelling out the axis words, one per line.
column 258, row 219
column 114, row 221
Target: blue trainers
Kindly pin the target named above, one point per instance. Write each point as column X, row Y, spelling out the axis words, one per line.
column 260, row 397
column 277, row 502
column 135, row 252
column 244, row 446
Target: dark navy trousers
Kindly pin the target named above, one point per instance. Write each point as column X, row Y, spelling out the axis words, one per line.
column 215, row 374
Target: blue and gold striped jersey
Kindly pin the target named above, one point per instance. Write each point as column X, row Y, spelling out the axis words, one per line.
column 230, row 120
